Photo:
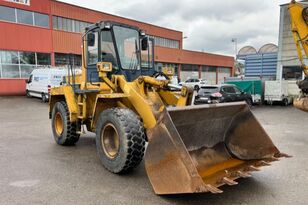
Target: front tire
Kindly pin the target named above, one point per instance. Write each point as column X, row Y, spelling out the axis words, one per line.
column 64, row 131
column 120, row 140
column 196, row 87
column 249, row 102
column 28, row 94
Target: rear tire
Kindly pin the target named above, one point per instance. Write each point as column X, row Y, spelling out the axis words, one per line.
column 64, row 131
column 285, row 102
column 44, row 98
column 120, row 140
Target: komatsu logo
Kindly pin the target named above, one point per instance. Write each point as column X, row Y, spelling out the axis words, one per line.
column 25, row 2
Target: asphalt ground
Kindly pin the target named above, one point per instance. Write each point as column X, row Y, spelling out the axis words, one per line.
column 34, row 170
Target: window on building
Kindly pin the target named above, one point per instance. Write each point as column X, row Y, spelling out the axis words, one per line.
column 292, row 73
column 25, row 17
column 27, row 58
column 10, row 71
column 187, row 67
column 55, row 22
column 25, row 70
column 164, row 42
column 7, row 14
column 43, row 59
column 224, row 70
column 41, row 20
column 209, row 69
column 9, row 57
column 71, row 25
column 62, row 59
column 77, row 26
column 14, row 64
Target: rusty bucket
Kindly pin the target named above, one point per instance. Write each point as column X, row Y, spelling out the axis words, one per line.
column 200, row 148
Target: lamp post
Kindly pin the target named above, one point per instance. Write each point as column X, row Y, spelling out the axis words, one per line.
column 234, row 40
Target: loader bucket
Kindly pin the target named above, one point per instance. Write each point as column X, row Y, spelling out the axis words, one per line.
column 200, row 148
column 301, row 103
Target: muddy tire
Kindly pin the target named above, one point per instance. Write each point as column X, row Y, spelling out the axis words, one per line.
column 120, row 140
column 64, row 131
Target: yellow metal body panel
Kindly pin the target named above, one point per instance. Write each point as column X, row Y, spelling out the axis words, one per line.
column 300, row 31
column 70, row 98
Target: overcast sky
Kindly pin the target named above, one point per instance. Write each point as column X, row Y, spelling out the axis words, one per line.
column 209, row 24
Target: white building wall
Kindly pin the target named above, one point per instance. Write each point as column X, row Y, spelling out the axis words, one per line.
column 287, row 54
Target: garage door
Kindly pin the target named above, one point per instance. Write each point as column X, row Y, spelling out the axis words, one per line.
column 189, row 71
column 209, row 74
column 223, row 73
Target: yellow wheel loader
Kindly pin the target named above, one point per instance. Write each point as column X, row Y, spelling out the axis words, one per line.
column 299, row 25
column 190, row 149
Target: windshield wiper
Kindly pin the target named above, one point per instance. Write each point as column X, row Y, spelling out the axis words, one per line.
column 133, row 65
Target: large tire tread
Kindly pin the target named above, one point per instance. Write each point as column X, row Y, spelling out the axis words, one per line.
column 71, row 136
column 134, row 140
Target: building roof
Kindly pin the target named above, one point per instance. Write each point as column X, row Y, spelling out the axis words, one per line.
column 59, row 1
column 247, row 50
column 268, row 48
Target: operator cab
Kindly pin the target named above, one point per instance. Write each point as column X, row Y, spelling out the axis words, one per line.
column 125, row 47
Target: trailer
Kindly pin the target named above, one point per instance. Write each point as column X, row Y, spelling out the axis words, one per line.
column 277, row 91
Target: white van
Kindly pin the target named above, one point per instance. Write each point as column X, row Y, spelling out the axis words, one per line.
column 41, row 80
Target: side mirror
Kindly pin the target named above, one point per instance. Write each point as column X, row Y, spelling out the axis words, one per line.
column 144, row 44
column 27, row 81
column 91, row 39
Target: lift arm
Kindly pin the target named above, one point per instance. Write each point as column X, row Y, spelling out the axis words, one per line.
column 299, row 24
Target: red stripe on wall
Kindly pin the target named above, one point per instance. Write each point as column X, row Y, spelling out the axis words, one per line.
column 9, row 87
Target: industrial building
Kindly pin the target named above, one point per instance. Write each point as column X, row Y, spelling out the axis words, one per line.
column 43, row 32
column 261, row 63
column 288, row 66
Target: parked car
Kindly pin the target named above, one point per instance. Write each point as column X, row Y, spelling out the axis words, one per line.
column 41, row 80
column 221, row 93
column 193, row 83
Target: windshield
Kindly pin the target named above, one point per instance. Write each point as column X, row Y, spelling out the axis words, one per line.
column 127, row 41
column 208, row 90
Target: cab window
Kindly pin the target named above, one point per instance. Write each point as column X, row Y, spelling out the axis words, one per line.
column 108, row 53
column 93, row 50
column 229, row 90
column 237, row 91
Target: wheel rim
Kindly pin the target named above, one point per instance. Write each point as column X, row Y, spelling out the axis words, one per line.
column 110, row 141
column 58, row 124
